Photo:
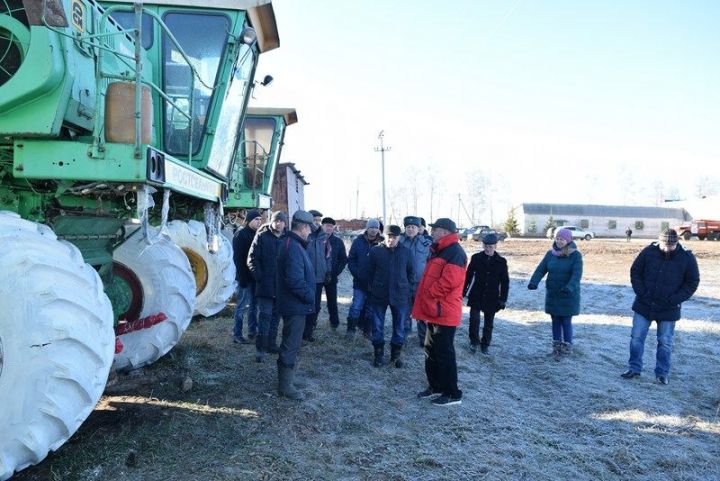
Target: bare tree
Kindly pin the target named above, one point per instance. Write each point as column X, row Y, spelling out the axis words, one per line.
column 706, row 185
column 478, row 186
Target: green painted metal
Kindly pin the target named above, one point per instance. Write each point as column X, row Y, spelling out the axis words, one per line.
column 251, row 187
column 95, row 236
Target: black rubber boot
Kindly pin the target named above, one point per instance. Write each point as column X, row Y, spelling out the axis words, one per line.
column 379, row 353
column 286, row 387
column 395, row 351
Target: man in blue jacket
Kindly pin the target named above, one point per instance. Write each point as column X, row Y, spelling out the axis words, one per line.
column 663, row 276
column 296, row 298
column 391, row 275
column 358, row 265
column 419, row 246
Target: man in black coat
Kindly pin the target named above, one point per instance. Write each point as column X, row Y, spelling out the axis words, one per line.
column 488, row 293
column 262, row 262
column 391, row 276
column 320, row 252
column 242, row 240
column 338, row 261
column 296, row 298
column 663, row 276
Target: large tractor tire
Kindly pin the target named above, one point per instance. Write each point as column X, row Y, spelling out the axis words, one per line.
column 163, row 287
column 214, row 273
column 56, row 342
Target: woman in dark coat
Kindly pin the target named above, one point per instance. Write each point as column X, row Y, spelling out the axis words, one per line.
column 488, row 293
column 563, row 265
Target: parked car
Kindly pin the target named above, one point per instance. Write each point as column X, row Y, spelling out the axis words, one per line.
column 466, row 233
column 483, row 230
column 577, row 232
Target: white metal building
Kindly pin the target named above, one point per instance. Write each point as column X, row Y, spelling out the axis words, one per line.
column 603, row 220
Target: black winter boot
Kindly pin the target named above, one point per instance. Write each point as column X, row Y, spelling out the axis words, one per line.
column 351, row 328
column 379, row 353
column 395, row 355
column 260, row 347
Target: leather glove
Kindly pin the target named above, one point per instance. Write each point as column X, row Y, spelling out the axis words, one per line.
column 532, row 287
column 564, row 290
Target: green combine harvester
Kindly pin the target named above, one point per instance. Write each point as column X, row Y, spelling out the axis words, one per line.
column 120, row 123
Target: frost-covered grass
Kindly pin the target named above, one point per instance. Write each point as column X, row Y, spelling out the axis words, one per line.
column 524, row 415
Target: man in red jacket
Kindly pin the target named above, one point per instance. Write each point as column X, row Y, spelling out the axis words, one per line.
column 438, row 302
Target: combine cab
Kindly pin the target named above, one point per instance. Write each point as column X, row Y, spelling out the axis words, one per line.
column 117, row 121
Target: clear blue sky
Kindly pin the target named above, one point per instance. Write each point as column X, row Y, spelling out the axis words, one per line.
column 549, row 101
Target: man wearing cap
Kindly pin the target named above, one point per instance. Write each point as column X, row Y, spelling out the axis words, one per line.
column 262, row 262
column 424, row 231
column 358, row 264
column 486, row 286
column 419, row 247
column 246, row 284
column 320, row 251
column 390, row 270
column 438, row 302
column 338, row 261
column 296, row 298
column 663, row 276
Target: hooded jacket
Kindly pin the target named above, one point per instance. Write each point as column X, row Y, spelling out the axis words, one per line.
column 562, row 287
column 438, row 299
column 358, row 262
column 663, row 281
column 262, row 261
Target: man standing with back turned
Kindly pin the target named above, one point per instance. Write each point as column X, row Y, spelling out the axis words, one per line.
column 438, row 302
column 296, row 299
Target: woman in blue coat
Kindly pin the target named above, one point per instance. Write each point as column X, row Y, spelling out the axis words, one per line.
column 563, row 265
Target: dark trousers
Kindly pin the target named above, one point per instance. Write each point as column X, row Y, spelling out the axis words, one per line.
column 475, row 327
column 292, row 331
column 268, row 321
column 331, row 294
column 440, row 362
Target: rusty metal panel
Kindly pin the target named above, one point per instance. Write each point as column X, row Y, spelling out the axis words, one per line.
column 54, row 12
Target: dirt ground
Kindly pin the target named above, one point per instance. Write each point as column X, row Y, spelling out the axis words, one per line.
column 524, row 415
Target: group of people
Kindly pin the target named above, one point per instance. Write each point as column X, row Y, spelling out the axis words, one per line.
column 423, row 277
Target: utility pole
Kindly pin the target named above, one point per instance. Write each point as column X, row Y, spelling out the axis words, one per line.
column 382, row 149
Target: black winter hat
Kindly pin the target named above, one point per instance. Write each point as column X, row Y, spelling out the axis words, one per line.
column 668, row 236
column 315, row 213
column 251, row 215
column 393, row 230
column 422, row 222
column 328, row 220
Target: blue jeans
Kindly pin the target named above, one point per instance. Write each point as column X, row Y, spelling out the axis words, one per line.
column 268, row 318
column 398, row 323
column 358, row 302
column 245, row 296
column 665, row 331
column 562, row 328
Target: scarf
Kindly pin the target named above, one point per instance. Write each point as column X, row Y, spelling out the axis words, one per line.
column 565, row 251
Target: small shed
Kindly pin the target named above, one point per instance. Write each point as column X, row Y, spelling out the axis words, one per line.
column 288, row 190
column 603, row 220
